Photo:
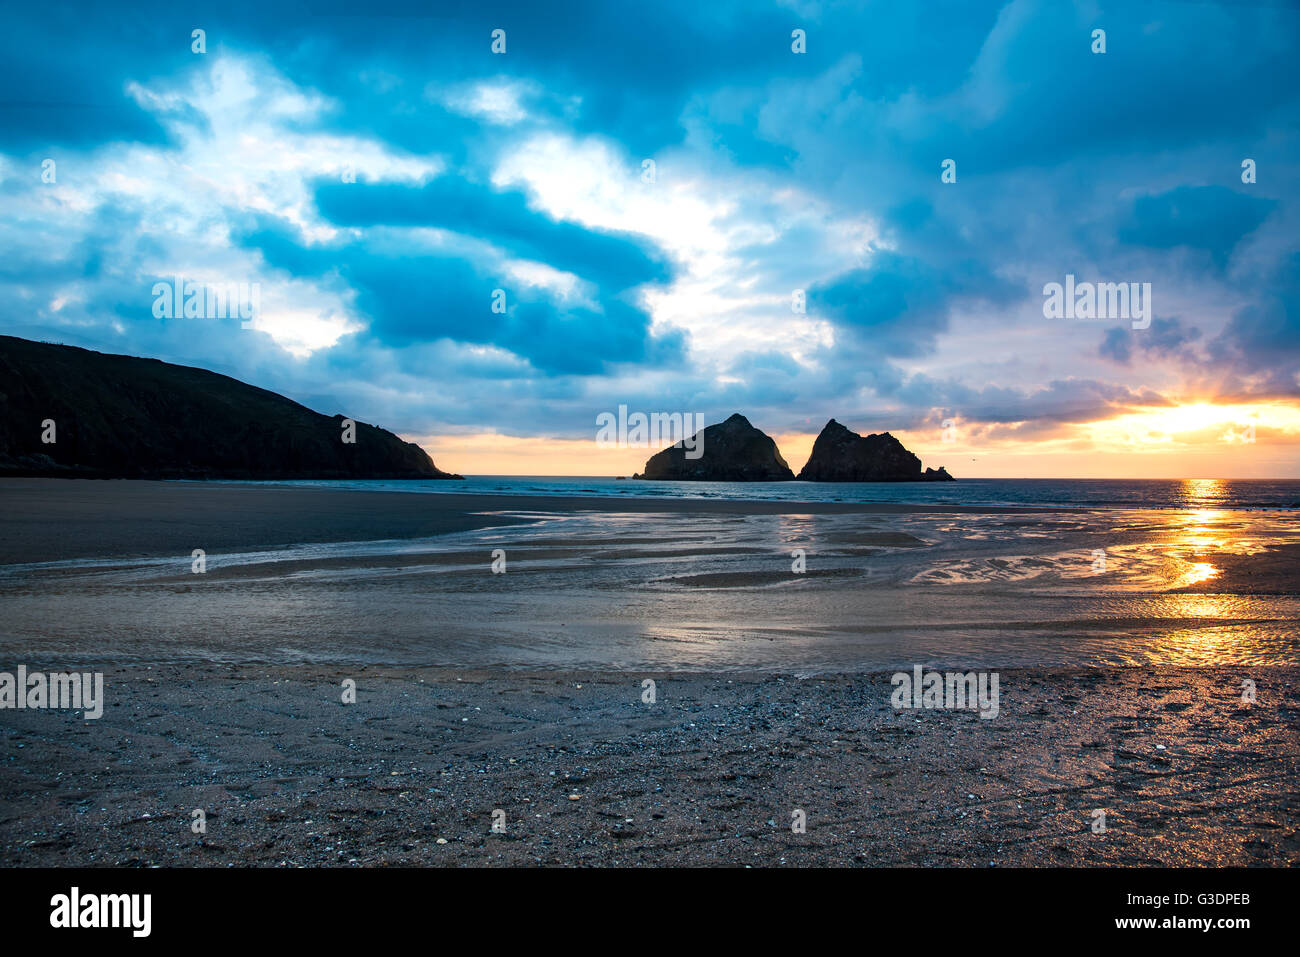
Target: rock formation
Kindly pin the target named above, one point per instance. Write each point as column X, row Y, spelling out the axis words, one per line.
column 731, row 451
column 113, row 416
column 840, row 455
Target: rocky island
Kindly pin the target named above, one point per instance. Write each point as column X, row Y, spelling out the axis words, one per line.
column 71, row 412
column 731, row 451
column 735, row 451
column 840, row 455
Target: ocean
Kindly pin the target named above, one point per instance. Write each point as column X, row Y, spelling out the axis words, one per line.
column 1085, row 493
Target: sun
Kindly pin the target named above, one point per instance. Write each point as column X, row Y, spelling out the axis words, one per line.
column 1197, row 416
column 1194, row 424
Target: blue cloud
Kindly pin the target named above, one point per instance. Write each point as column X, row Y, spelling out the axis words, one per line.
column 900, row 305
column 1166, row 337
column 412, row 297
column 1211, row 219
column 502, row 218
column 1263, row 338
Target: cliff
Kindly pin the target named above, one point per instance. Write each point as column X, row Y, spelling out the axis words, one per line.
column 125, row 417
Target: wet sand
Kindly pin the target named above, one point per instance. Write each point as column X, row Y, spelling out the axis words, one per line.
column 586, row 773
column 522, row 691
column 58, row 519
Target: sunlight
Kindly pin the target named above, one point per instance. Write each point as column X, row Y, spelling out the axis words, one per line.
column 1202, row 494
column 1196, row 573
column 1195, row 424
column 1200, row 533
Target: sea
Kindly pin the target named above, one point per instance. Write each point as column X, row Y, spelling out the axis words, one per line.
column 1084, row 493
column 1130, row 573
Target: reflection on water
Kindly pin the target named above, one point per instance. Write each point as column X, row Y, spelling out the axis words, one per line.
column 1205, row 529
column 679, row 591
column 1196, row 573
column 1202, row 493
column 1150, row 494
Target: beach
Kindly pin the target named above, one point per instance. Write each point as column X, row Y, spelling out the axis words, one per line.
column 586, row 773
column 523, row 690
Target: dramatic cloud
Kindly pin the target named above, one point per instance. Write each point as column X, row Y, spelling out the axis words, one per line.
column 668, row 210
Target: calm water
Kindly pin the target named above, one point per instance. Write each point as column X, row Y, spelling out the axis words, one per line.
column 592, row 590
column 1097, row 493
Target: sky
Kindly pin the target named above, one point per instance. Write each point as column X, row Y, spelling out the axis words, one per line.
column 796, row 210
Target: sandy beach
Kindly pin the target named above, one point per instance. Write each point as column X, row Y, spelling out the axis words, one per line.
column 586, row 773
column 523, row 691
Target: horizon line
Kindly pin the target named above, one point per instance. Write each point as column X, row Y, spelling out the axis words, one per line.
column 969, row 478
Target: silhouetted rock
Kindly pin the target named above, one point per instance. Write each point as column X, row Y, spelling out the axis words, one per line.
column 125, row 417
column 840, row 455
column 732, row 451
column 937, row 475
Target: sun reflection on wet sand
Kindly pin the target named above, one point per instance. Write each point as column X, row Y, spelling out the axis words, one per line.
column 1197, row 642
column 1208, row 606
column 1196, row 573
column 1202, row 531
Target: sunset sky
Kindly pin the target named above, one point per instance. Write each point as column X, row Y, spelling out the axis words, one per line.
column 378, row 171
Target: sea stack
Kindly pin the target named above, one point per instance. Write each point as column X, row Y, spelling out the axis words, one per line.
column 730, row 451
column 840, row 455
column 75, row 413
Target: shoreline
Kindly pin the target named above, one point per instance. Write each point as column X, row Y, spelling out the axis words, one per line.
column 524, row 692
column 165, row 571
column 419, row 488
column 62, row 519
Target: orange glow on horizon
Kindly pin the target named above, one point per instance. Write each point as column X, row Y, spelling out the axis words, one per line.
column 1241, row 440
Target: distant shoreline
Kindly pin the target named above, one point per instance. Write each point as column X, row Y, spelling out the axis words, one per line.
column 969, row 494
column 61, row 519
